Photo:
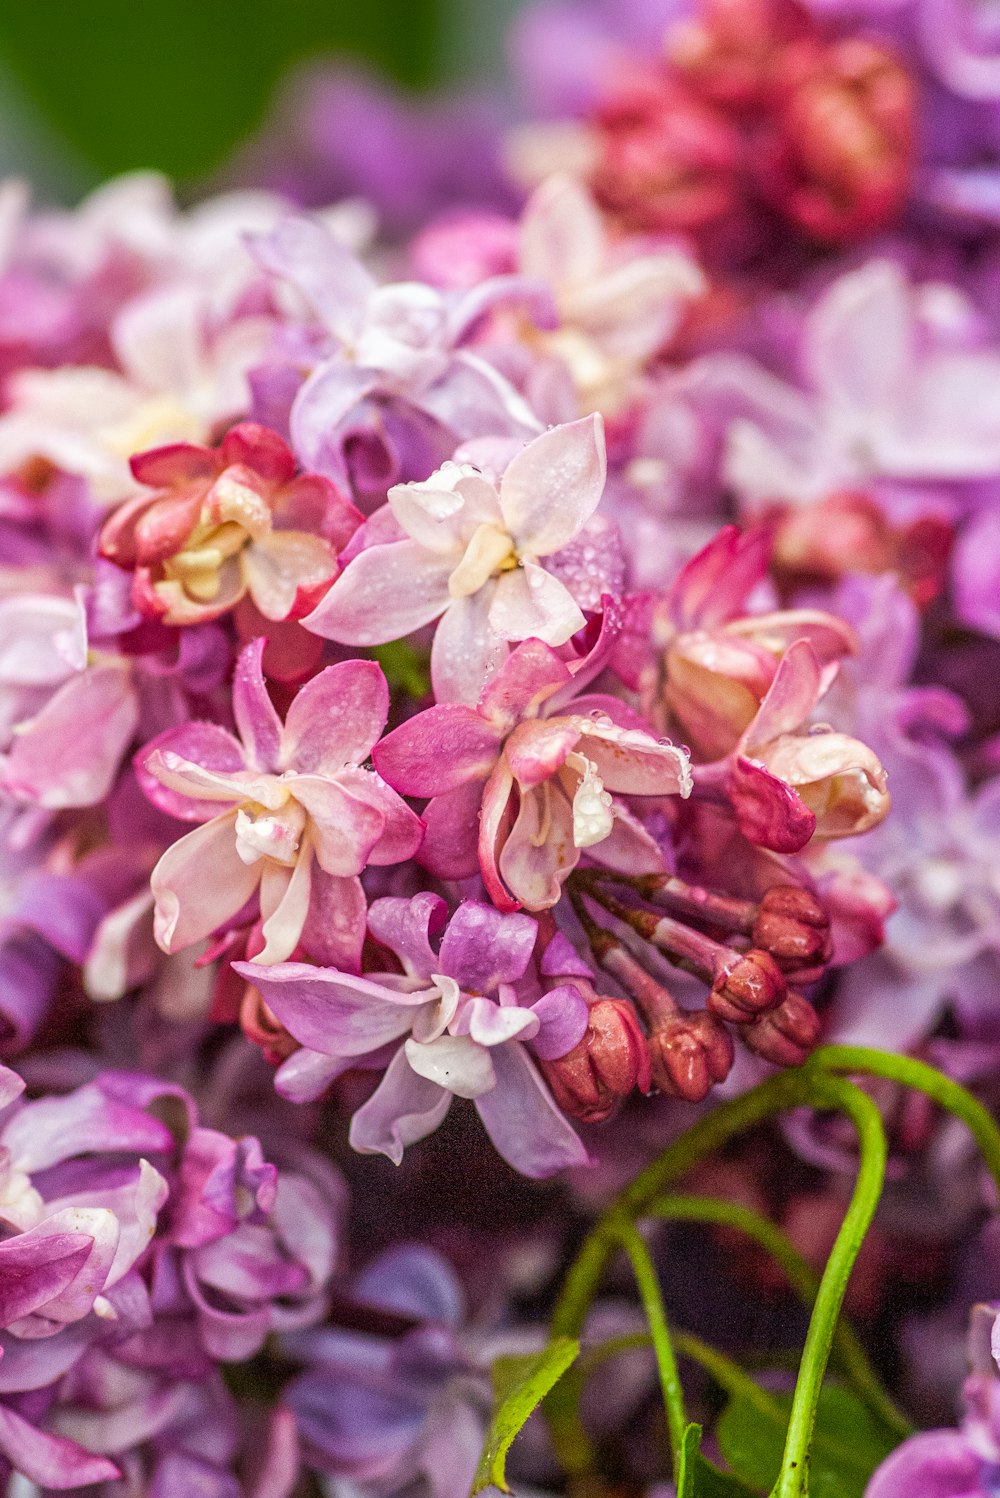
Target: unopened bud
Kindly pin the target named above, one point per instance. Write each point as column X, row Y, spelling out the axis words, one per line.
column 746, row 985
column 604, row 1066
column 794, row 927
column 689, row 1053
column 261, row 1025
column 785, row 1035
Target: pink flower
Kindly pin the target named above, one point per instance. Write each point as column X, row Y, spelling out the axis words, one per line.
column 535, row 781
column 228, row 521
column 787, row 780
column 288, row 812
column 469, row 551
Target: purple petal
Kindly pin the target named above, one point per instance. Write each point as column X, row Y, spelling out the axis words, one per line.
column 482, row 948
column 303, row 251
column 563, row 1014
column 522, row 1119
column 50, row 1461
column 403, row 1108
column 415, row 1281
column 932, row 1464
column 318, row 411
column 405, row 927
column 329, row 1011
column 87, row 1121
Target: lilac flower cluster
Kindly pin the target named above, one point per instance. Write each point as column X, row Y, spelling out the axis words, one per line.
column 457, row 645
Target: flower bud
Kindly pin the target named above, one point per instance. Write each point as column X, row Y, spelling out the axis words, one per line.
column 261, row 1025
column 794, row 927
column 690, row 1052
column 747, row 986
column 604, row 1066
column 786, row 1034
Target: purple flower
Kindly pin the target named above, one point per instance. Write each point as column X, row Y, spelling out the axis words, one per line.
column 464, row 1028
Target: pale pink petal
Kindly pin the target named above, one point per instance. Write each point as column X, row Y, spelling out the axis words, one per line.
column 437, row 751
column 219, row 788
column 529, row 603
column 860, row 341
column 335, row 283
column 203, row 744
column 466, row 650
column 496, row 816
column 454, row 1062
column 284, row 906
column 634, row 763
column 256, row 720
column 335, row 719
column 441, row 512
column 554, row 484
column 68, row 755
column 540, row 852
column 791, row 696
column 43, row 639
column 403, row 1108
column 522, row 1120
column 403, row 830
column 537, row 750
column 344, row 827
column 200, row 883
column 284, row 569
column 384, row 593
column 561, row 237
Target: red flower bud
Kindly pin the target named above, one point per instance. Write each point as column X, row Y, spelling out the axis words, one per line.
column 689, row 1053
column 603, row 1067
column 747, row 986
column 729, row 51
column 794, row 927
column 786, row 1034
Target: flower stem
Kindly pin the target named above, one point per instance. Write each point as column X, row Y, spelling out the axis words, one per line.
column 652, row 1303
column 850, row 1354
column 833, row 1092
column 922, row 1078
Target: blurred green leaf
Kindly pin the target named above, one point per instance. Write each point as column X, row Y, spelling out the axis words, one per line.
column 698, row 1478
column 405, row 669
column 176, row 86
column 849, row 1442
column 520, row 1384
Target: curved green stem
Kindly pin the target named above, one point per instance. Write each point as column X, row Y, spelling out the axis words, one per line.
column 652, row 1303
column 731, row 1377
column 922, row 1078
column 833, row 1092
column 850, row 1354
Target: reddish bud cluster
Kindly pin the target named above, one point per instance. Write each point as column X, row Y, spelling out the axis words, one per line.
column 794, row 928
column 745, row 987
column 754, row 106
column 690, row 1052
column 604, row 1066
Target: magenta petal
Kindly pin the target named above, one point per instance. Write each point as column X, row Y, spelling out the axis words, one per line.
column 257, row 722
column 344, row 826
column 34, row 1269
column 330, row 1011
column 768, row 811
column 402, row 832
column 712, row 587
column 86, row 1121
column 563, row 1015
column 438, row 750
column 336, row 718
column 450, row 847
column 931, row 1464
column 334, row 931
column 50, row 1461
column 522, row 1120
column 403, row 1108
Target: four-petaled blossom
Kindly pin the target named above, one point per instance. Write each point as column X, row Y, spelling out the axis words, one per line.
column 288, row 810
column 525, row 782
column 460, row 548
column 227, row 521
column 464, row 1029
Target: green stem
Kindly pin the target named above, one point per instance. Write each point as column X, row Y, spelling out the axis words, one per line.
column 850, row 1354
column 922, row 1078
column 833, row 1092
column 731, row 1377
column 652, row 1304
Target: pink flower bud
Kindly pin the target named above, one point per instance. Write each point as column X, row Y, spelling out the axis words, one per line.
column 786, row 1034
column 689, row 1053
column 747, row 986
column 794, row 927
column 604, row 1066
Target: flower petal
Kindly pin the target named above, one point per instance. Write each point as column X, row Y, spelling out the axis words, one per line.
column 454, row 1062
column 438, row 750
column 554, row 484
column 403, row 1108
column 256, row 720
column 332, row 1012
column 382, row 594
column 529, row 603
column 522, row 1120
column 467, row 650
column 483, row 948
column 200, row 883
column 335, row 719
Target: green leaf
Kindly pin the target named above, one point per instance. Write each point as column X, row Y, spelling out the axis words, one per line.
column 405, row 668
column 698, row 1478
column 849, row 1442
column 519, row 1386
column 133, row 84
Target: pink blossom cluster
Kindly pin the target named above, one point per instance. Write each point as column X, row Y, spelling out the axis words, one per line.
column 451, row 683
